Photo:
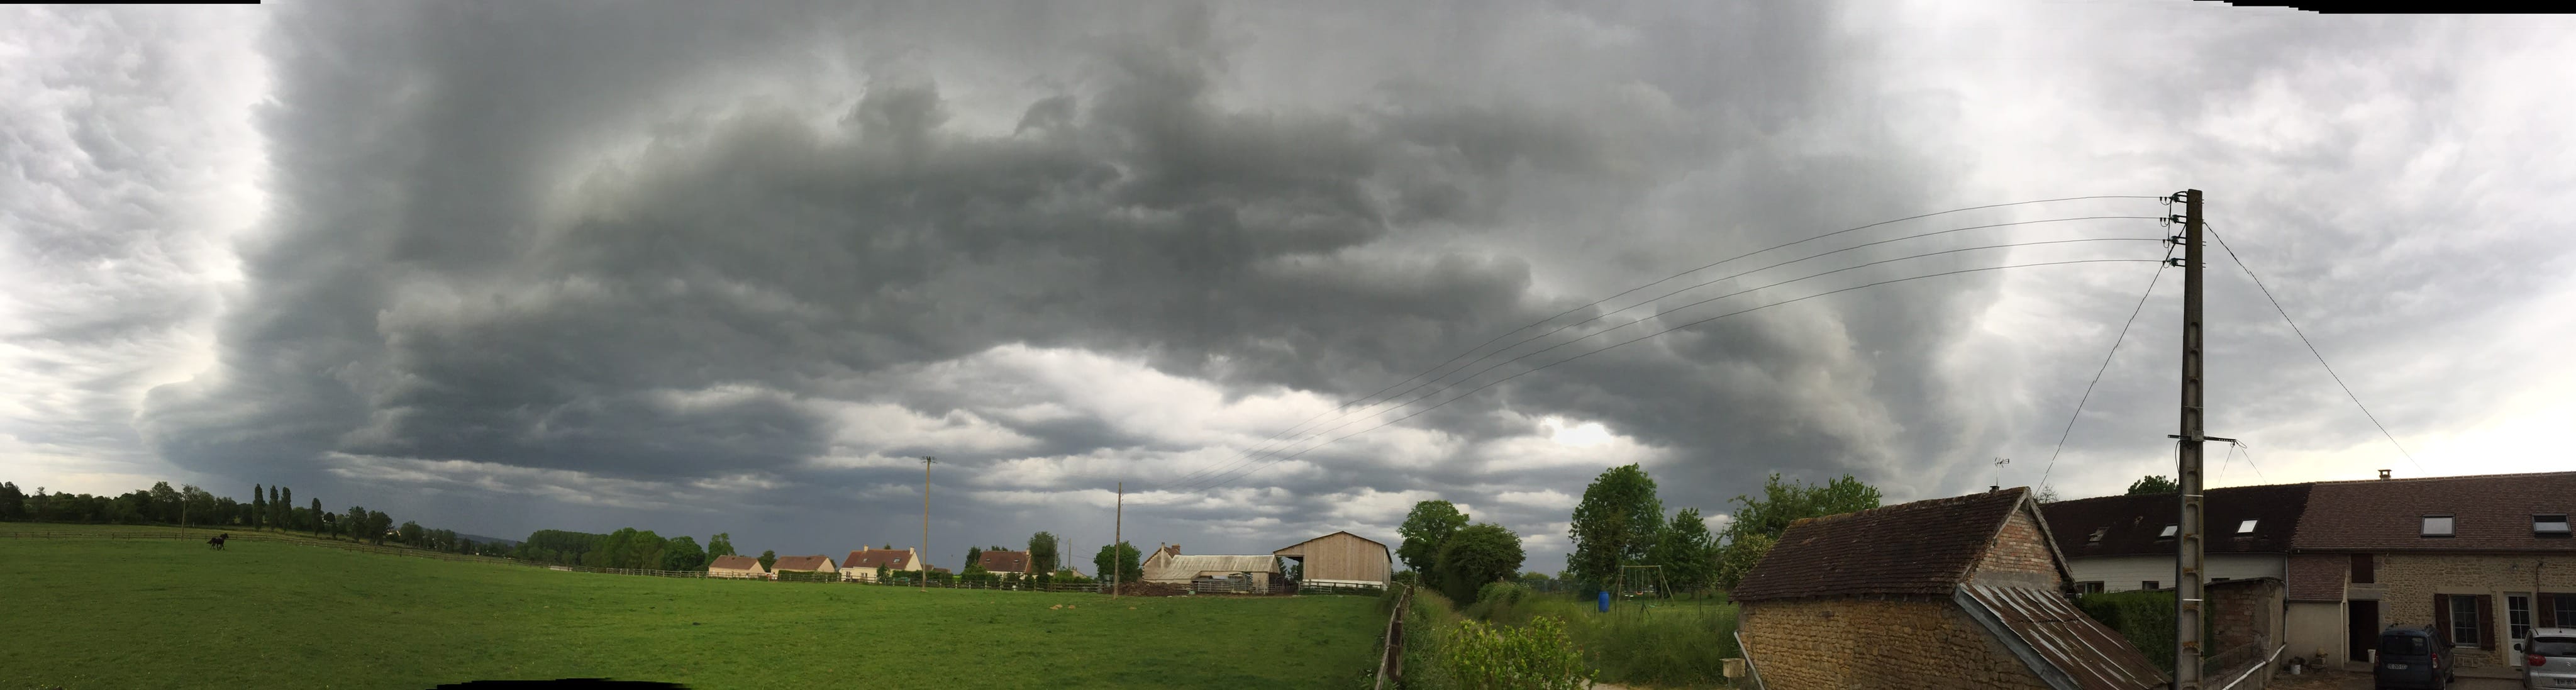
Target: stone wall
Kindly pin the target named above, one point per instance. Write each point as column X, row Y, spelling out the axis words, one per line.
column 2408, row 584
column 1850, row 642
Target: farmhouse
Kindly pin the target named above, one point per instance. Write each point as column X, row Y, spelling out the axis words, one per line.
column 1953, row 592
column 2482, row 558
column 737, row 567
column 1169, row 566
column 821, row 565
column 862, row 564
column 2121, row 543
column 1341, row 558
column 1004, row 562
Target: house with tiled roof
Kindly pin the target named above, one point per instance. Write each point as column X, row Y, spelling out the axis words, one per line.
column 1966, row 591
column 737, row 568
column 2483, row 558
column 2122, row 543
column 862, row 565
column 1004, row 562
column 818, row 565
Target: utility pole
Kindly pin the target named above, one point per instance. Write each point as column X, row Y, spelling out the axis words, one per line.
column 2190, row 554
column 925, row 521
column 1117, row 537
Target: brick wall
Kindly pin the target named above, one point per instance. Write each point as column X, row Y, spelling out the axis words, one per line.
column 2245, row 612
column 1850, row 642
column 2409, row 582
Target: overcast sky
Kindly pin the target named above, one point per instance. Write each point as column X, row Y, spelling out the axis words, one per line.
column 695, row 268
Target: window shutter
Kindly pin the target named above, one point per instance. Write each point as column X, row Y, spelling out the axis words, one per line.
column 2486, row 622
column 2442, row 615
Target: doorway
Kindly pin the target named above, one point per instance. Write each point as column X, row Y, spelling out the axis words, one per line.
column 2362, row 620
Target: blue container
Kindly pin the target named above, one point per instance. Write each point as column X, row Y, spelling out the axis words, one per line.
column 1605, row 602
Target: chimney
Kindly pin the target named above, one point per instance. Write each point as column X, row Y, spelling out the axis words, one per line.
column 2383, row 474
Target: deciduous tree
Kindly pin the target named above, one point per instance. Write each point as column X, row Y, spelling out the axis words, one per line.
column 1042, row 553
column 1425, row 528
column 1475, row 555
column 2153, row 484
column 1616, row 524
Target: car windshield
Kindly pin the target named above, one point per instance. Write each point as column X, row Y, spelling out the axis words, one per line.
column 2554, row 646
column 2408, row 645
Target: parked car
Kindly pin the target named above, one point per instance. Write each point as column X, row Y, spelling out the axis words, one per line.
column 2412, row 657
column 2549, row 659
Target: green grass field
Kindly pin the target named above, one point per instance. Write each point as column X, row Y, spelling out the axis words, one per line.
column 138, row 613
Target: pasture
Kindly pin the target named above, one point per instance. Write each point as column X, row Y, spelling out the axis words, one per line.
column 165, row 613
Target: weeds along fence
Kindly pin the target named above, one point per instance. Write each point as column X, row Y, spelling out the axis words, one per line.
column 1390, row 661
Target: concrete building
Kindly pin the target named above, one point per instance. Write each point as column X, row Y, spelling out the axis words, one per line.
column 2122, row 543
column 737, row 568
column 1955, row 592
column 862, row 565
column 1341, row 558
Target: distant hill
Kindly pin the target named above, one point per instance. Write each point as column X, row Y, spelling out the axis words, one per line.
column 480, row 539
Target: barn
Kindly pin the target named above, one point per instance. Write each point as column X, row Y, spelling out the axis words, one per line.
column 1167, row 565
column 1341, row 558
column 737, row 567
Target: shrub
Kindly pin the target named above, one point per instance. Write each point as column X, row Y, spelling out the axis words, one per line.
column 1539, row 655
column 2144, row 617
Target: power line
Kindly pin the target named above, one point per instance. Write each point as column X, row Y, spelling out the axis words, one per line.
column 1500, row 381
column 1541, row 322
column 1479, row 372
column 2152, row 279
column 2312, row 349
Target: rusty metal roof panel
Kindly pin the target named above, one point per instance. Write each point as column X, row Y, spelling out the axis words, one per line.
column 2083, row 650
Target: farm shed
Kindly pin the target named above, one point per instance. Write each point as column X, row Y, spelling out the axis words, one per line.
column 1341, row 558
column 1954, row 592
column 803, row 564
column 737, row 567
column 862, row 564
column 1169, row 566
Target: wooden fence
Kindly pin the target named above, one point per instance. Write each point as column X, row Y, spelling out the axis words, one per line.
column 1390, row 661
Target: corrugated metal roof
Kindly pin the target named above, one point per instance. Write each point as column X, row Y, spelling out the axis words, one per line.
column 1185, row 567
column 2063, row 638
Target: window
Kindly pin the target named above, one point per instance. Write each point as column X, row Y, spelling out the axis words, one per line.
column 2097, row 535
column 2562, row 610
column 2517, row 616
column 2465, row 627
column 2149, row 584
column 2363, row 572
column 2246, row 527
column 2437, row 525
column 2168, row 533
column 2402, row 645
column 2554, row 646
column 2094, row 587
column 2549, row 525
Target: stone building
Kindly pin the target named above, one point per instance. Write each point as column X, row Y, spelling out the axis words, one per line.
column 1954, row 592
column 2482, row 557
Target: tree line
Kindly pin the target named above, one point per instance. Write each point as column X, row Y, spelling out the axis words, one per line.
column 626, row 548
column 1620, row 522
column 270, row 508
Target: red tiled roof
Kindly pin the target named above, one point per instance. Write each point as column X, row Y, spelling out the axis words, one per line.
column 1924, row 548
column 2134, row 525
column 1004, row 561
column 2315, row 576
column 2490, row 513
column 870, row 559
column 736, row 563
column 809, row 563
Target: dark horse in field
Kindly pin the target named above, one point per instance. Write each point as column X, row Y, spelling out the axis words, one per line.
column 218, row 541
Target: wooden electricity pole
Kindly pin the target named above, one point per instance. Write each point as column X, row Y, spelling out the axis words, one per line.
column 925, row 521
